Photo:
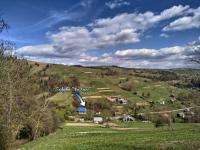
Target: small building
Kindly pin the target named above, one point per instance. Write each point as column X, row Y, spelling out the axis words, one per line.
column 122, row 101
column 181, row 115
column 173, row 98
column 187, row 115
column 161, row 101
column 127, row 118
column 98, row 120
column 116, row 99
column 112, row 98
column 81, row 110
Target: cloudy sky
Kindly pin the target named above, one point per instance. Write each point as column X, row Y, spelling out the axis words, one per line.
column 127, row 33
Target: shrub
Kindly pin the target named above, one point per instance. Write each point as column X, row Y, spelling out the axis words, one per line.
column 158, row 123
column 126, row 86
column 135, row 93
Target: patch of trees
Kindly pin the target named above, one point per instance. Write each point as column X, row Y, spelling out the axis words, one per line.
column 195, row 82
column 110, row 72
column 188, row 98
column 22, row 114
column 99, row 106
column 20, row 109
column 127, row 86
column 161, row 75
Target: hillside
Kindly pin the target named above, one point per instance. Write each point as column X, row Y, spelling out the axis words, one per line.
column 138, row 86
column 145, row 90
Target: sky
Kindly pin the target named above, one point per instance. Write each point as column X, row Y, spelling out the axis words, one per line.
column 126, row 33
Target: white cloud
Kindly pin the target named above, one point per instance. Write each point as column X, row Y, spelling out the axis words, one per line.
column 116, row 3
column 150, row 53
column 75, row 42
column 137, row 52
column 102, row 33
column 172, row 50
column 192, row 20
column 168, row 57
column 164, row 35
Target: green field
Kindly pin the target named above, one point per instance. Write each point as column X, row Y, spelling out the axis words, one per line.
column 128, row 136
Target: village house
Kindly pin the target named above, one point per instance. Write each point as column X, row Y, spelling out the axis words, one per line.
column 187, row 115
column 116, row 99
column 161, row 102
column 127, row 118
column 172, row 98
column 98, row 120
column 81, row 110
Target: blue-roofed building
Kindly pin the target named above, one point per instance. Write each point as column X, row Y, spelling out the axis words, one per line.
column 81, row 110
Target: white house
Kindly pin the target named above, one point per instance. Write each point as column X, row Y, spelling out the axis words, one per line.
column 97, row 119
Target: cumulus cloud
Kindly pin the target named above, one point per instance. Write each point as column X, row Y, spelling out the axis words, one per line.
column 73, row 44
column 83, row 39
column 102, row 33
column 168, row 57
column 150, row 54
column 137, row 53
column 192, row 20
column 116, row 3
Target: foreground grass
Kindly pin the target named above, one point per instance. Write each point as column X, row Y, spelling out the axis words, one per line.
column 136, row 136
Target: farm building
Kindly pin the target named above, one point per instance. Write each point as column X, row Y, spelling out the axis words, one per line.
column 127, row 118
column 98, row 120
column 187, row 115
column 161, row 102
column 116, row 99
column 81, row 110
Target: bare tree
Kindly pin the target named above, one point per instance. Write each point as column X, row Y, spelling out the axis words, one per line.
column 19, row 105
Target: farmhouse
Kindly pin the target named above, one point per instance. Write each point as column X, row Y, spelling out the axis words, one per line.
column 161, row 102
column 127, row 118
column 187, row 115
column 98, row 120
column 116, row 99
column 81, row 110
column 173, row 98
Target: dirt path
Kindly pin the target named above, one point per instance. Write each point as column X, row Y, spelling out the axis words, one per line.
column 168, row 111
column 83, row 124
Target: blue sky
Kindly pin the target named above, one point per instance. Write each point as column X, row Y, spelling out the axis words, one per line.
column 139, row 33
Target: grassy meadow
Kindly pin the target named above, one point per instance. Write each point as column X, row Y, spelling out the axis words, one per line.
column 130, row 136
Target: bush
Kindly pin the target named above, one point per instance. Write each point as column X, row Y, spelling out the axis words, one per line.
column 158, row 123
column 24, row 133
column 126, row 86
column 135, row 93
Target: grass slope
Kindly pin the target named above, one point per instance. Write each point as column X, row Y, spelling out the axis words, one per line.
column 140, row 136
